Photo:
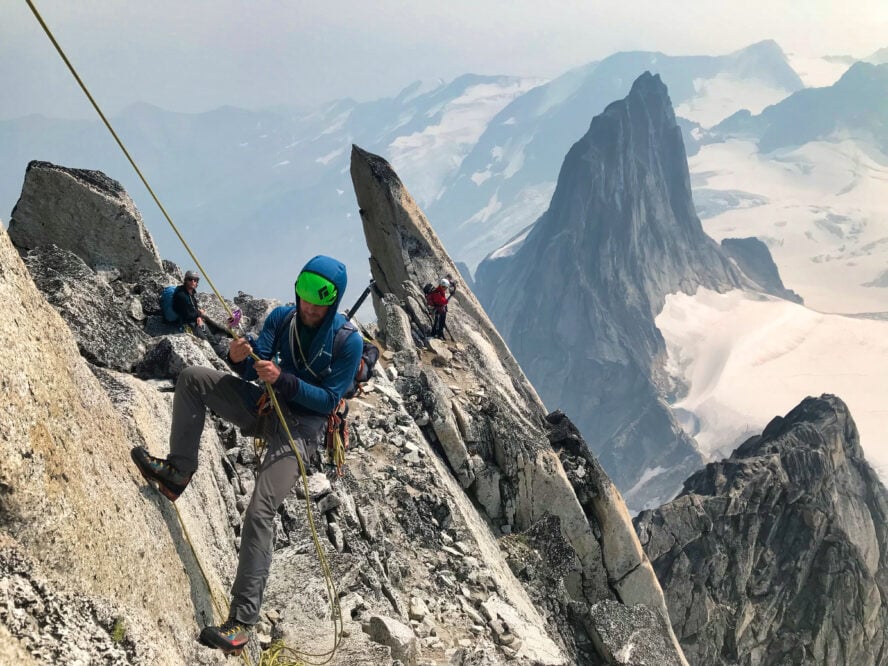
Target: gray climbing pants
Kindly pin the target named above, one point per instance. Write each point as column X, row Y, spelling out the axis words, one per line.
column 234, row 400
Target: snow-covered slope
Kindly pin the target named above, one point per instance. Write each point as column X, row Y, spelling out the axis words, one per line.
column 430, row 154
column 819, row 71
column 822, row 209
column 745, row 358
column 718, row 97
column 276, row 180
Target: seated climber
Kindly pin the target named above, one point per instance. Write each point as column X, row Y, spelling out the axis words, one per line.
column 437, row 300
column 185, row 305
column 312, row 377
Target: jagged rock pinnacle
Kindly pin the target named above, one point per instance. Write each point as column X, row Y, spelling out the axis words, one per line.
column 779, row 554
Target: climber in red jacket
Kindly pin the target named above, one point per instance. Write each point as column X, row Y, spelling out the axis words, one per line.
column 437, row 300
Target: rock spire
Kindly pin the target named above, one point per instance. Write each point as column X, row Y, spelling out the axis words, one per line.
column 576, row 299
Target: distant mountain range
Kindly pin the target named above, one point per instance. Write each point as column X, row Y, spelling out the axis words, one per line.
column 258, row 192
column 854, row 105
column 263, row 190
column 505, row 183
column 809, row 177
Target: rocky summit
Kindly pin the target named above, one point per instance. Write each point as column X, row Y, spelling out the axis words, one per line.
column 779, row 554
column 470, row 527
column 576, row 297
column 52, row 211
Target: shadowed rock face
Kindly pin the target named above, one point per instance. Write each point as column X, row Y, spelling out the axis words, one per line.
column 779, row 554
column 755, row 260
column 576, row 302
column 492, row 429
column 104, row 323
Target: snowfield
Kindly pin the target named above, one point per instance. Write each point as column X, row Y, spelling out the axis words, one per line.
column 719, row 97
column 817, row 71
column 429, row 156
column 746, row 358
column 822, row 209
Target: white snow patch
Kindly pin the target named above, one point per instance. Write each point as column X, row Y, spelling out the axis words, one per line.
column 425, row 86
column 509, row 121
column 424, row 159
column 561, row 89
column 329, row 157
column 647, row 475
column 816, row 71
column 479, row 177
column 340, row 192
column 337, row 124
column 493, row 205
column 244, row 144
column 525, row 207
column 280, row 164
column 725, row 94
column 746, row 358
column 515, row 159
column 511, row 247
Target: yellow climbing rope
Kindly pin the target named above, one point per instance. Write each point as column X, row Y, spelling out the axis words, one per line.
column 278, row 654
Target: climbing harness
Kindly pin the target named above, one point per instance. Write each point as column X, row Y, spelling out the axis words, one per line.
column 280, row 655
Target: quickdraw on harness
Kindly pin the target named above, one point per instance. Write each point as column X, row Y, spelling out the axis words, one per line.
column 337, row 422
column 337, row 436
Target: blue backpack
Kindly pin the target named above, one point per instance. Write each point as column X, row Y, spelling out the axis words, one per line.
column 166, row 305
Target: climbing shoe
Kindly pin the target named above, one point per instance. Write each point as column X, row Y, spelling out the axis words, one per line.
column 230, row 637
column 160, row 474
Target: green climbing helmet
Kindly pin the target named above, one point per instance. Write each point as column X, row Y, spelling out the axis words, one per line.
column 315, row 289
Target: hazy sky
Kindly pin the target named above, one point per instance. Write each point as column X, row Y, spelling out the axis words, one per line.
column 193, row 55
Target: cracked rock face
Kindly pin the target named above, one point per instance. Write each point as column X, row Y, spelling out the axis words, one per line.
column 86, row 213
column 479, row 410
column 74, row 508
column 439, row 433
column 779, row 554
column 108, row 334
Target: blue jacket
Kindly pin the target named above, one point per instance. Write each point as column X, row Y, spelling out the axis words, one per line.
column 319, row 386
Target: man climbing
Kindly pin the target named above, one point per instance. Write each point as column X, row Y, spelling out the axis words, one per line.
column 185, row 305
column 437, row 300
column 309, row 383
